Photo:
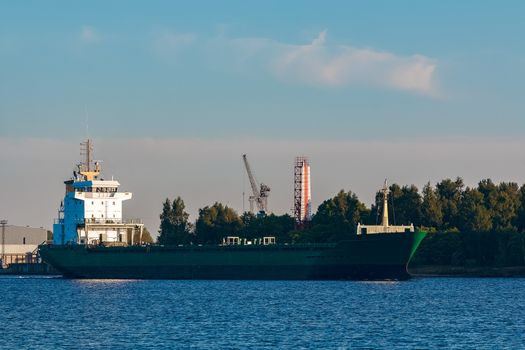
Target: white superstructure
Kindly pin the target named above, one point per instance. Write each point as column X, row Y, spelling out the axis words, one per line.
column 91, row 212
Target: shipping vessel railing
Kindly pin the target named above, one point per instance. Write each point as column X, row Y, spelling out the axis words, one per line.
column 103, row 221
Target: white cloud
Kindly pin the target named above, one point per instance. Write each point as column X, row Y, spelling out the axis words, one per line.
column 88, row 34
column 170, row 42
column 318, row 63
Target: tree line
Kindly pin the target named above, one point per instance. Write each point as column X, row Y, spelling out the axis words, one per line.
column 216, row 222
column 477, row 225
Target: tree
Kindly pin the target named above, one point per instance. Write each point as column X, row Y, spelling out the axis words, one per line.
column 215, row 223
column 260, row 225
column 146, row 237
column 473, row 215
column 278, row 226
column 431, row 209
column 449, row 194
column 174, row 225
column 405, row 205
column 503, row 201
column 251, row 225
column 507, row 205
column 520, row 216
column 337, row 217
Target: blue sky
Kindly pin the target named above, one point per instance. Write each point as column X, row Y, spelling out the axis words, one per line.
column 188, row 69
column 173, row 93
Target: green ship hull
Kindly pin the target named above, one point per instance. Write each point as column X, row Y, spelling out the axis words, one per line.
column 362, row 257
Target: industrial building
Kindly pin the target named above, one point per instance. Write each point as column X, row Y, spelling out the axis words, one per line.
column 18, row 241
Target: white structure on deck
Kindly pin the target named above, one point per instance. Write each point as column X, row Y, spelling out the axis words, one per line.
column 235, row 240
column 91, row 212
column 384, row 227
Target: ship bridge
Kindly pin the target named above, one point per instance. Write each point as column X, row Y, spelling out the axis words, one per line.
column 91, row 211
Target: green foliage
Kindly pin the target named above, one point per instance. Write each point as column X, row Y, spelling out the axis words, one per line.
column 449, row 194
column 431, row 208
column 174, row 225
column 336, row 218
column 406, row 205
column 260, row 225
column 215, row 223
column 505, row 203
column 472, row 249
column 480, row 226
column 520, row 216
column 473, row 215
column 146, row 237
column 440, row 249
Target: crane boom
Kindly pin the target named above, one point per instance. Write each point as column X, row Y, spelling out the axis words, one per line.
column 260, row 194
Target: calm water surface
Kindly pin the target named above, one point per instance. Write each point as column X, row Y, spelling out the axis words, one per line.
column 54, row 313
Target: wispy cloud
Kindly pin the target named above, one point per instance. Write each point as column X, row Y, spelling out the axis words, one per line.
column 320, row 64
column 88, row 34
column 170, row 42
column 317, row 63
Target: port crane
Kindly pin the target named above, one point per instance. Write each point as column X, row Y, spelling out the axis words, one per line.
column 260, row 193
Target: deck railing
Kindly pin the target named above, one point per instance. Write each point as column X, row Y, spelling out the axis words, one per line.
column 102, row 221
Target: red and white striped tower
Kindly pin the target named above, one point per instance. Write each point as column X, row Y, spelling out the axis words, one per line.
column 302, row 192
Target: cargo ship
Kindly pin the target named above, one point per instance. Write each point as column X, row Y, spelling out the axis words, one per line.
column 92, row 240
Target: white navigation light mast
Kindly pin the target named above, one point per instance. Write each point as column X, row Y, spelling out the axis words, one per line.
column 385, row 205
column 260, row 193
column 385, row 226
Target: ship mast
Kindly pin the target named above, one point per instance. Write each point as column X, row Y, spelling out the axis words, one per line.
column 86, row 168
column 385, row 204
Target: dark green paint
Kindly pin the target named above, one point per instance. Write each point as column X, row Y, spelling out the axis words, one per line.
column 370, row 257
